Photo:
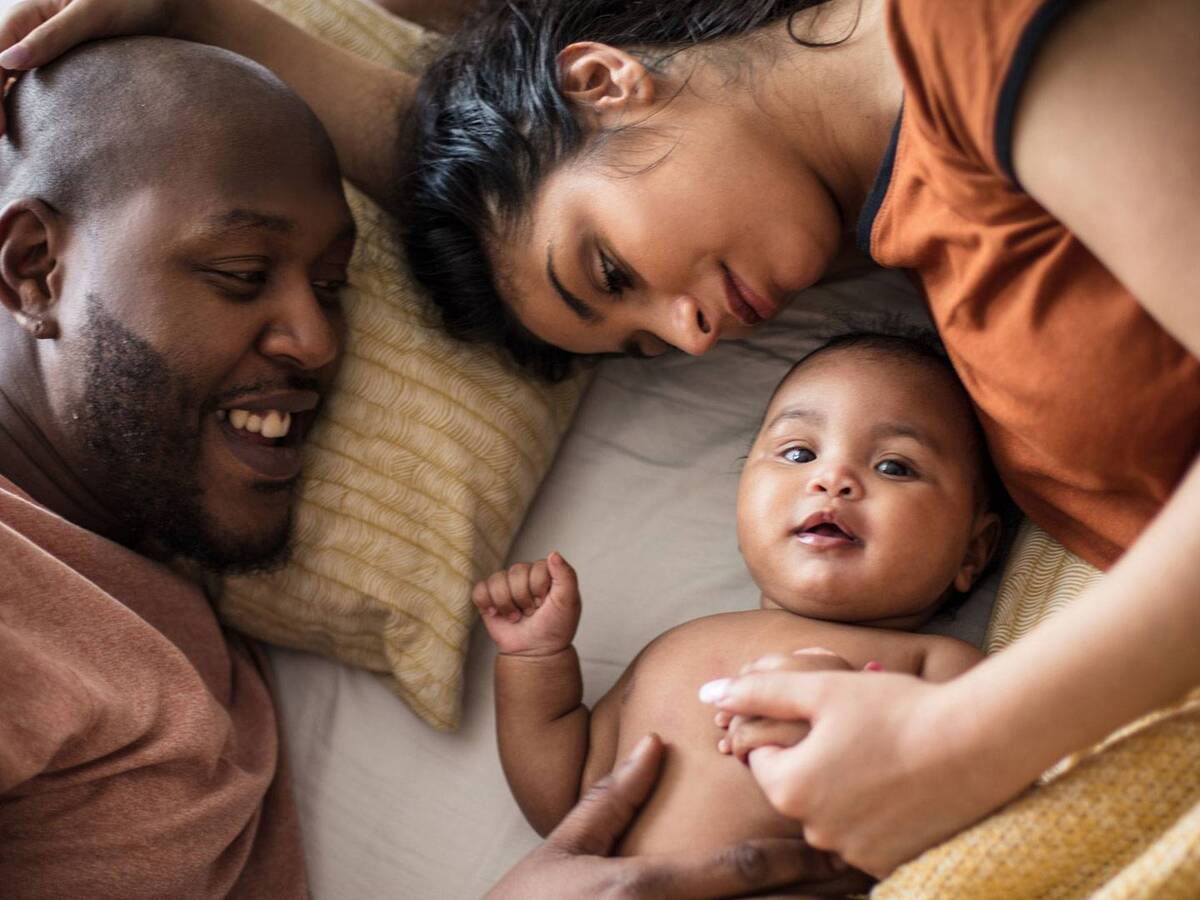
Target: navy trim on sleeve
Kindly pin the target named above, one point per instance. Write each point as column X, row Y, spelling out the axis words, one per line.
column 883, row 178
column 1031, row 39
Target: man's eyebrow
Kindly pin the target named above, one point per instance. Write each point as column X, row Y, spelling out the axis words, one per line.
column 798, row 413
column 248, row 219
column 904, row 429
column 577, row 306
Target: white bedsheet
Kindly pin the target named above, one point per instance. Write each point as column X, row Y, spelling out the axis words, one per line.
column 641, row 501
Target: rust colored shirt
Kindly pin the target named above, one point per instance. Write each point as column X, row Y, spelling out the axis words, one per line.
column 139, row 751
column 1091, row 410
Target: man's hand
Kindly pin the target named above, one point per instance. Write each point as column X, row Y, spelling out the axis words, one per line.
column 572, row 862
column 530, row 609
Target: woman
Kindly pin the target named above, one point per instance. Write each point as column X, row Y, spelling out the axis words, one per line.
column 1032, row 162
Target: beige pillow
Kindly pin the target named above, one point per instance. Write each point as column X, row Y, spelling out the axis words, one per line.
column 421, row 470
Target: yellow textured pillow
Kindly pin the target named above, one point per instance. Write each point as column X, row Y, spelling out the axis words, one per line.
column 421, row 470
column 1118, row 821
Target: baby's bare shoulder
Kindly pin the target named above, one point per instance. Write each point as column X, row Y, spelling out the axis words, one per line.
column 723, row 643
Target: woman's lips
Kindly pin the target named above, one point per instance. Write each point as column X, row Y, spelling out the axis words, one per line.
column 747, row 306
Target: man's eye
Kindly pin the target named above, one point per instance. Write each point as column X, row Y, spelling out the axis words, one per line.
column 239, row 277
column 798, row 455
column 329, row 292
column 615, row 280
column 894, row 468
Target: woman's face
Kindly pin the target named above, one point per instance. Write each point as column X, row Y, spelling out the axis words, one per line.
column 695, row 227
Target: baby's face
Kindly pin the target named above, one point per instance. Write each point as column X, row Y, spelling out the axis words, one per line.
column 859, row 499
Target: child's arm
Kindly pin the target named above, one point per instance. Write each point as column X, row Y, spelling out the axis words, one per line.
column 948, row 658
column 531, row 612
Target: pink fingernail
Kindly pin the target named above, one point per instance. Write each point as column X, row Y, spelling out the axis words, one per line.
column 873, row 666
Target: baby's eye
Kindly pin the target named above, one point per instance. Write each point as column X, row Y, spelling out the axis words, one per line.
column 798, row 455
column 894, row 468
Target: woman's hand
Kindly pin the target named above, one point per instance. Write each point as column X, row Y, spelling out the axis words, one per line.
column 33, row 32
column 573, row 860
column 887, row 770
column 745, row 733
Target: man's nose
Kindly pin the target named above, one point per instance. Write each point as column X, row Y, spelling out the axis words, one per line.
column 301, row 331
column 837, row 480
column 691, row 329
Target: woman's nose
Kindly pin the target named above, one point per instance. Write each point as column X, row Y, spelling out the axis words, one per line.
column 837, row 481
column 691, row 330
column 302, row 332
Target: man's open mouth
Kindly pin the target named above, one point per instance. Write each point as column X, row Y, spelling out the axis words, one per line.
column 266, row 433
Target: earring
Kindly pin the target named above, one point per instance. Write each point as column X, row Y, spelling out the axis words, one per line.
column 43, row 330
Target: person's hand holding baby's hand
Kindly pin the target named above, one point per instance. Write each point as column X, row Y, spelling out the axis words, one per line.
column 746, row 733
column 530, row 609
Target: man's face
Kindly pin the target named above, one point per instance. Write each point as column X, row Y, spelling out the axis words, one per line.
column 201, row 330
column 859, row 499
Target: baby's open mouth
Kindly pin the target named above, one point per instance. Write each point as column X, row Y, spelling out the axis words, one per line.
column 823, row 530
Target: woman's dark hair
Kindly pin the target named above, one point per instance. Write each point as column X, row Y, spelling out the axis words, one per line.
column 490, row 122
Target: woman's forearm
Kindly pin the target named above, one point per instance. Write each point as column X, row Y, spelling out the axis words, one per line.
column 542, row 732
column 360, row 103
column 1126, row 646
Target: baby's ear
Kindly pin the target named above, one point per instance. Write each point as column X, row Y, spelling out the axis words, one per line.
column 29, row 241
column 985, row 538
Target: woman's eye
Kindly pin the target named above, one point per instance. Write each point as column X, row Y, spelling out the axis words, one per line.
column 798, row 455
column 894, row 468
column 615, row 280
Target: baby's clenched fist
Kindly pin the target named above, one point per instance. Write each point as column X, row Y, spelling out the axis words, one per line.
column 530, row 609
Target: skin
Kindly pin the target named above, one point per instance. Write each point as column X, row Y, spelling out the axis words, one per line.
column 886, row 443
column 1110, row 101
column 221, row 311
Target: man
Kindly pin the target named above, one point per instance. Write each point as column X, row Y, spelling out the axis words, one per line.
column 173, row 237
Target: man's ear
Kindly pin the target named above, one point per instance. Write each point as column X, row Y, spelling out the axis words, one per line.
column 604, row 80
column 985, row 538
column 29, row 239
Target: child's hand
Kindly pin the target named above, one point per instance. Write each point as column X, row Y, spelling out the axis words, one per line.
column 746, row 733
column 530, row 609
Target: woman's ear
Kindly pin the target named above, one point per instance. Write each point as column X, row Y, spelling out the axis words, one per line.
column 28, row 257
column 985, row 538
column 604, row 80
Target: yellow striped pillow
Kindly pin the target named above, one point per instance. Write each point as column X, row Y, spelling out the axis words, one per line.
column 421, row 470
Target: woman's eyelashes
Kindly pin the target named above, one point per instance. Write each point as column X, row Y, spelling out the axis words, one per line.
column 614, row 278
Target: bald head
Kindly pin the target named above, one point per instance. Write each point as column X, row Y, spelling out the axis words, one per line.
column 112, row 116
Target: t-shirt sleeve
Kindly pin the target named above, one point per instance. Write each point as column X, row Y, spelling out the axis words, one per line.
column 44, row 706
column 964, row 65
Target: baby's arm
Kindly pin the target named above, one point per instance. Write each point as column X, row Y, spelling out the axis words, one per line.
column 948, row 658
column 531, row 612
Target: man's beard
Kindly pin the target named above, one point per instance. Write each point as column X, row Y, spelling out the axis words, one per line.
column 143, row 455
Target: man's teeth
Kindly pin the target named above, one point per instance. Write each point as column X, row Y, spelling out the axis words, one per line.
column 270, row 424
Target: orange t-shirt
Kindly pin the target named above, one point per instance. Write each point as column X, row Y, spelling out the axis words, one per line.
column 139, row 750
column 1091, row 410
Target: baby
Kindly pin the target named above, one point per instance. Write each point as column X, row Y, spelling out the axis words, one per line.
column 863, row 506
